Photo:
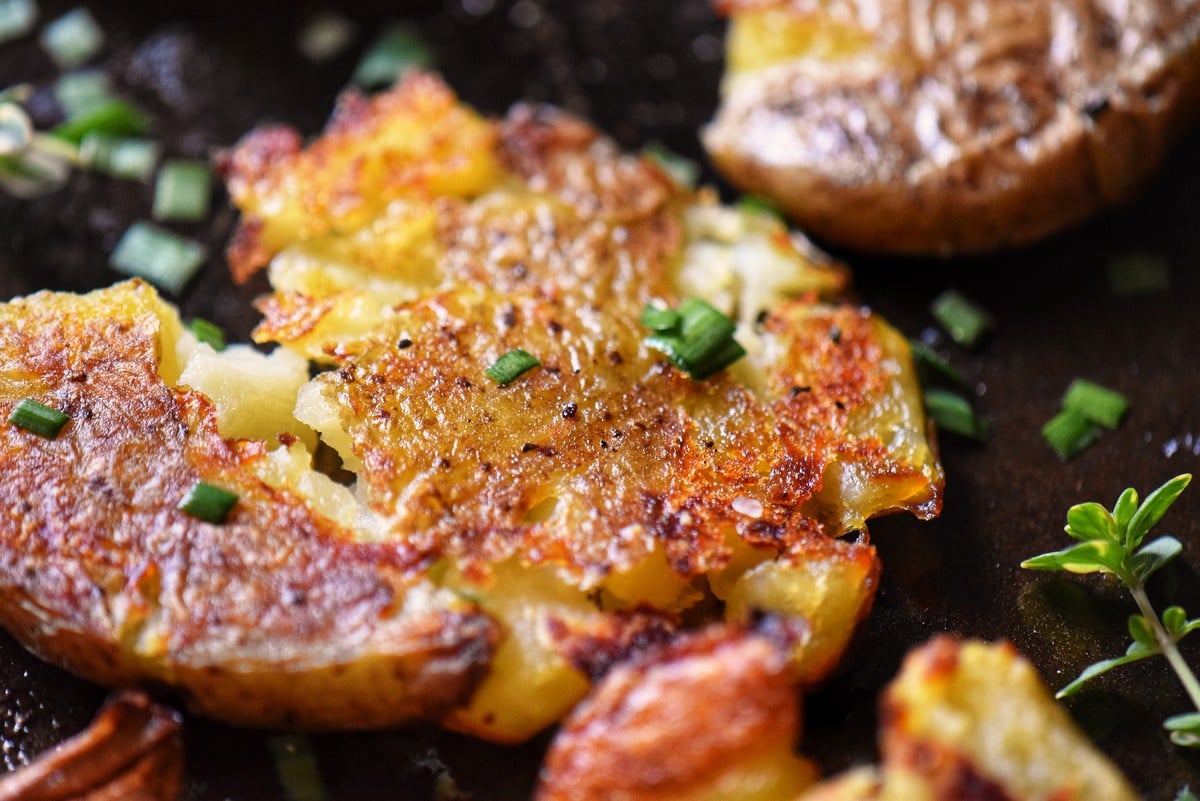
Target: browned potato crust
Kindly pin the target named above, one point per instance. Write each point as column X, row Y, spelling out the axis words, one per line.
column 274, row 618
column 132, row 750
column 952, row 126
column 712, row 716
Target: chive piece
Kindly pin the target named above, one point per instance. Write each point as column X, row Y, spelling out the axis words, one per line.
column 182, row 191
column 718, row 360
column 931, row 363
column 79, row 92
column 32, row 173
column 704, row 331
column 952, row 412
column 1069, row 433
column 1139, row 274
column 324, row 36
column 398, row 51
column 964, row 321
column 207, row 502
column 73, row 38
column 208, row 333
column 759, row 205
column 17, row 18
column 1095, row 403
column 297, row 768
column 16, row 131
column 659, row 319
column 511, row 366
column 684, row 172
column 162, row 258
column 43, row 420
column 118, row 156
column 112, row 116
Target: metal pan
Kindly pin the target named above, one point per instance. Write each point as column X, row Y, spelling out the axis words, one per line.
column 649, row 72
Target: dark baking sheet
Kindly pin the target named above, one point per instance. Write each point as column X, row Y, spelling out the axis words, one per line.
column 648, row 71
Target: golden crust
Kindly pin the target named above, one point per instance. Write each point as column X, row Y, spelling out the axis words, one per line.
column 990, row 125
column 101, row 573
column 680, row 722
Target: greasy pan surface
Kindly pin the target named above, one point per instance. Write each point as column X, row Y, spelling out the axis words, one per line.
column 649, row 71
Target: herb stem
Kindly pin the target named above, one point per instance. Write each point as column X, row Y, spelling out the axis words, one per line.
column 1166, row 642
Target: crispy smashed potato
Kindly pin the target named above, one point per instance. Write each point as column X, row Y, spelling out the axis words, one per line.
column 912, row 127
column 133, row 750
column 498, row 542
column 966, row 720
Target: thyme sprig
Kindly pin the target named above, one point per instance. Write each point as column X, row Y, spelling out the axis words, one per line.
column 1112, row 542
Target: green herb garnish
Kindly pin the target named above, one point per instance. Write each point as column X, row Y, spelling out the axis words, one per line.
column 400, row 50
column 17, row 18
column 953, row 412
column 73, row 39
column 962, row 319
column 697, row 338
column 208, row 502
column 1112, row 542
column 119, row 156
column 296, row 767
column 208, row 333
column 43, row 420
column 933, row 366
column 182, row 191
column 110, row 116
column 760, row 206
column 511, row 366
column 79, row 92
column 162, row 258
column 1069, row 433
column 1095, row 403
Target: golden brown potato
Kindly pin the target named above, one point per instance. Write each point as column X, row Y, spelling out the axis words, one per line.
column 910, row 127
column 967, row 720
column 277, row 617
column 711, row 717
column 133, row 750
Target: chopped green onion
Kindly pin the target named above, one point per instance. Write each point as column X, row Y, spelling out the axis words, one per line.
column 115, row 117
column 124, row 158
column 659, row 319
column 952, row 412
column 398, row 51
column 182, row 191
column 1139, row 274
column 73, row 38
column 756, row 204
column 698, row 340
column 43, row 420
column 1069, row 433
column 682, row 171
column 208, row 333
column 931, row 363
column 16, row 131
column 79, row 92
column 964, row 321
column 207, row 502
column 17, row 18
column 34, row 172
column 1095, row 403
column 297, row 768
column 325, row 36
column 511, row 366
column 162, row 258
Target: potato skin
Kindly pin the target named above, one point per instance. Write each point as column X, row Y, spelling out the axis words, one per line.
column 273, row 618
column 961, row 128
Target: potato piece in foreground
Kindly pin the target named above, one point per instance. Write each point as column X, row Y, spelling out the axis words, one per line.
column 711, row 717
column 953, row 126
column 967, row 720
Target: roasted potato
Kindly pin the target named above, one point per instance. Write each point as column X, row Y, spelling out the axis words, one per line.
column 967, row 720
column 493, row 533
column 954, row 126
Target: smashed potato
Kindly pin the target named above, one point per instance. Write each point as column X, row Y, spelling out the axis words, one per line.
column 497, row 543
column 914, row 127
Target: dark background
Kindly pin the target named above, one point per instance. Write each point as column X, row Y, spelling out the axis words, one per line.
column 644, row 71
